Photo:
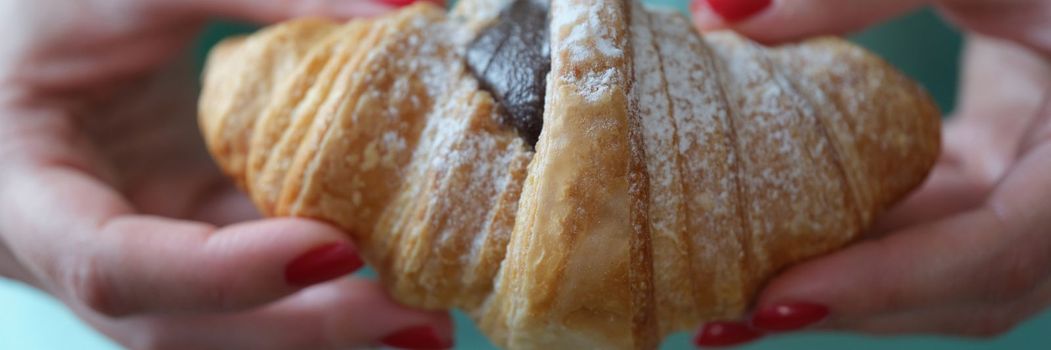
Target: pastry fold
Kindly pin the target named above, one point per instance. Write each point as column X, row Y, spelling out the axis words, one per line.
column 674, row 175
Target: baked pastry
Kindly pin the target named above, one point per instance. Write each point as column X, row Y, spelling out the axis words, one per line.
column 673, row 175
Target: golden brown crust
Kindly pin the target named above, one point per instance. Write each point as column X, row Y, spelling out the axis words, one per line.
column 675, row 173
column 576, row 198
column 694, row 175
column 284, row 124
column 857, row 84
column 236, row 93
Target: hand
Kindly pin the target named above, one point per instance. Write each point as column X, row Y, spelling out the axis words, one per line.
column 970, row 253
column 109, row 202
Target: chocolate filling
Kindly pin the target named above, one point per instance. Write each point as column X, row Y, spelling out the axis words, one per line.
column 511, row 59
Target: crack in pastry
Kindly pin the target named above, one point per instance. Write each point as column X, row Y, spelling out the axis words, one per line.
column 675, row 173
column 511, row 59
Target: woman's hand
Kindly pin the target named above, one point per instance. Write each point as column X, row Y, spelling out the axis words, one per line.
column 969, row 253
column 109, row 202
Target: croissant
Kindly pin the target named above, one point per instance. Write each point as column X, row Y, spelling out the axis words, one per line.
column 673, row 174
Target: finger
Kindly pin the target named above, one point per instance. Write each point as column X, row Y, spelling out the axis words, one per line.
column 910, row 269
column 1001, row 82
column 995, row 254
column 10, row 268
column 201, row 268
column 350, row 313
column 773, row 21
column 269, row 11
column 971, row 319
column 1003, row 89
column 1022, row 21
column 1039, row 131
column 86, row 244
column 224, row 204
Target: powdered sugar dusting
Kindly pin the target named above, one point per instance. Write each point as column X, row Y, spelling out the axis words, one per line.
column 789, row 175
column 767, row 123
column 469, row 160
column 821, row 60
column 700, row 110
column 709, row 164
column 667, row 216
column 595, row 85
column 474, row 14
column 583, row 33
column 584, row 29
column 657, row 128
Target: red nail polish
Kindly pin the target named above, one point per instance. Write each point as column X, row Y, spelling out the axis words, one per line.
column 736, row 10
column 718, row 334
column 322, row 264
column 417, row 338
column 789, row 317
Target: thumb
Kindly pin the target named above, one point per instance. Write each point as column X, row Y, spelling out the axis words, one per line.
column 269, row 11
column 773, row 21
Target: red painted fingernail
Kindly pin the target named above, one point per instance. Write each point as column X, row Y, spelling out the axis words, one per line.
column 718, row 334
column 734, row 10
column 789, row 317
column 417, row 338
column 322, row 264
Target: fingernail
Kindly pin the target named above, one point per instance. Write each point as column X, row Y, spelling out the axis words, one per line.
column 417, row 338
column 718, row 334
column 789, row 317
column 322, row 264
column 732, row 10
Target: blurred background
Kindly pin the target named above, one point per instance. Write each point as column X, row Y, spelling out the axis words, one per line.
column 920, row 44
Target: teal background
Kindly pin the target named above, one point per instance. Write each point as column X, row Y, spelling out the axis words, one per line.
column 920, row 44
